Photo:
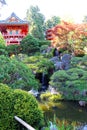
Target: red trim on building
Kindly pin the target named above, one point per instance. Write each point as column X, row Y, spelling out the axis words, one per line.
column 14, row 29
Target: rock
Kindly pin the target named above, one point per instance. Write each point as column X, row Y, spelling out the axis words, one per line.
column 85, row 127
column 54, row 59
column 84, row 93
column 49, row 49
column 34, row 92
column 53, row 91
column 82, row 103
column 59, row 66
column 66, row 58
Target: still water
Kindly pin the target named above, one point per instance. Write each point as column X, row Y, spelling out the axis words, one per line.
column 70, row 112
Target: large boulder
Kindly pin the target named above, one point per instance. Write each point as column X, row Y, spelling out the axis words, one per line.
column 59, row 66
column 84, row 93
column 66, row 59
column 54, row 59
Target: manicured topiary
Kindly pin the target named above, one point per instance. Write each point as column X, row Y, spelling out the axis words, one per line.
column 6, row 108
column 18, row 103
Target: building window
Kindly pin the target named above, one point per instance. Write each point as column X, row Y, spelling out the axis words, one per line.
column 10, row 32
column 16, row 31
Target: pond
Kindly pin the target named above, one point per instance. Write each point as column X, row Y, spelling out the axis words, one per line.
column 67, row 111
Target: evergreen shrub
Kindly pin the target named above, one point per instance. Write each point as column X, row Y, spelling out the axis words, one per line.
column 29, row 45
column 18, row 103
column 13, row 49
column 16, row 74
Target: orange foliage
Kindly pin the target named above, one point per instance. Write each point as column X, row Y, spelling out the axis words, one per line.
column 67, row 33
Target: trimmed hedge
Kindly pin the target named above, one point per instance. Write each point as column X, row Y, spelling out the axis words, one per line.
column 20, row 103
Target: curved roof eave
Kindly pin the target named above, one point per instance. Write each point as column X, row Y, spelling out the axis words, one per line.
column 13, row 15
column 13, row 23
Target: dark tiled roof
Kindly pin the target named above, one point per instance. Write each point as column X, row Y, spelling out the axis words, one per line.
column 13, row 19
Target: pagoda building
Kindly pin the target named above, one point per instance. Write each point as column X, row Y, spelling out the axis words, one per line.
column 14, row 29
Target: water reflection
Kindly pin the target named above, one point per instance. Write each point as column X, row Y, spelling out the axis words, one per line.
column 65, row 111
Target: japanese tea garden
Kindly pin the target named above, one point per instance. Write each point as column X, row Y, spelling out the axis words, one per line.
column 43, row 72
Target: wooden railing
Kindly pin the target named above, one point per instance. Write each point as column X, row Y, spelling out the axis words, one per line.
column 23, row 124
column 13, row 35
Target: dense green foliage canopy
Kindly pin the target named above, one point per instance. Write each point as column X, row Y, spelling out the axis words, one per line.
column 16, row 74
column 29, row 45
column 39, row 64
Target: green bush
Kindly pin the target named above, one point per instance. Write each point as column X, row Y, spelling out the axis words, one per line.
column 45, row 96
column 47, row 51
column 55, row 97
column 80, row 62
column 2, row 41
column 13, row 49
column 2, row 46
column 70, row 83
column 39, row 64
column 3, row 51
column 44, row 42
column 58, row 79
column 51, row 97
column 16, row 74
column 29, row 45
column 18, row 103
column 43, row 48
